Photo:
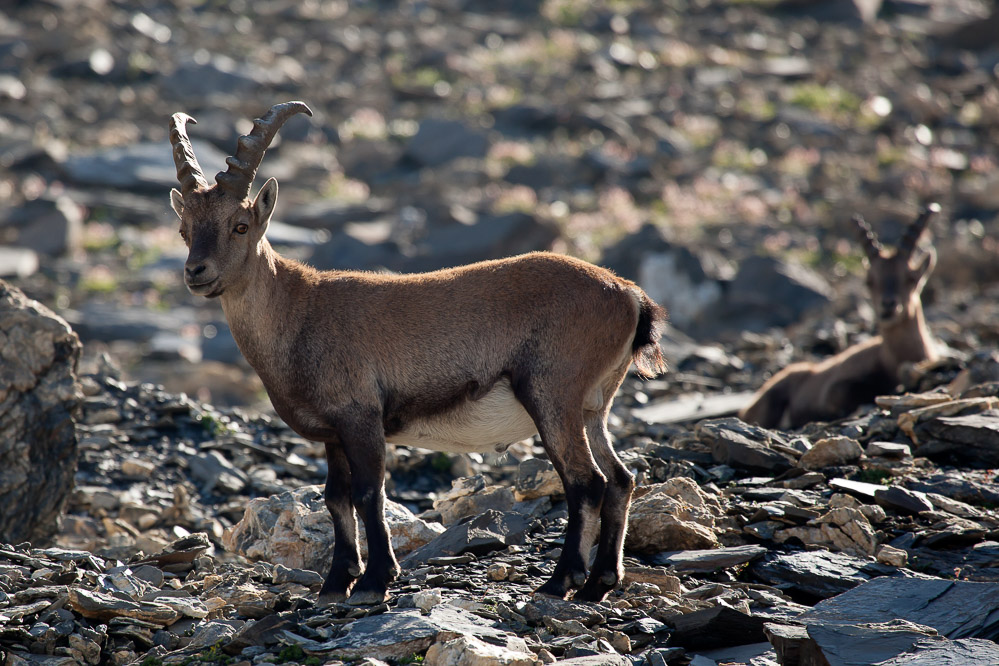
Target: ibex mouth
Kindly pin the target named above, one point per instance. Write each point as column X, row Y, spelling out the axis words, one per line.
column 209, row 289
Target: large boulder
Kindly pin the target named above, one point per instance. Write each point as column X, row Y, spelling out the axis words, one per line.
column 671, row 516
column 39, row 395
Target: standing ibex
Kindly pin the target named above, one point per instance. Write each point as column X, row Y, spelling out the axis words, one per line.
column 464, row 359
column 830, row 389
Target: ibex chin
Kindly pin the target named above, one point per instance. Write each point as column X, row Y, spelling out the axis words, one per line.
column 464, row 359
column 833, row 388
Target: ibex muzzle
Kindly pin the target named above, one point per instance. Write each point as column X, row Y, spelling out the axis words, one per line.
column 472, row 358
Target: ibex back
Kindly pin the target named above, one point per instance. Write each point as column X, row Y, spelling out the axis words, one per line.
column 465, row 359
column 805, row 392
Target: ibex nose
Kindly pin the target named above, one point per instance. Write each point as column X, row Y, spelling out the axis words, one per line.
column 195, row 271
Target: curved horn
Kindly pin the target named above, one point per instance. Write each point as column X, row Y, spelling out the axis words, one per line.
column 189, row 172
column 251, row 147
column 869, row 239
column 915, row 230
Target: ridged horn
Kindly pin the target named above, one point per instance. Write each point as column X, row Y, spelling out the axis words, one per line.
column 869, row 239
column 189, row 172
column 916, row 229
column 250, row 148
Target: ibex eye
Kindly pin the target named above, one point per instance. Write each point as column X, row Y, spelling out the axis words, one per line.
column 241, row 228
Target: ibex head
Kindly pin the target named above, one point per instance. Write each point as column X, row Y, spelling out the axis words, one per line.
column 220, row 223
column 896, row 277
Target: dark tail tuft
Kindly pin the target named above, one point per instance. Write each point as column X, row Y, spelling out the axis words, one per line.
column 645, row 350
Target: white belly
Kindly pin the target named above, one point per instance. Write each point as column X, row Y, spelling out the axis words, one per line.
column 491, row 423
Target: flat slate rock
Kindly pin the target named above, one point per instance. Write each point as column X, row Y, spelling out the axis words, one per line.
column 489, row 531
column 958, row 488
column 693, row 408
column 818, row 573
column 716, row 559
column 541, row 607
column 902, row 500
column 973, row 437
column 858, row 489
column 734, row 449
column 397, row 634
column 867, row 643
column 964, row 652
column 955, row 608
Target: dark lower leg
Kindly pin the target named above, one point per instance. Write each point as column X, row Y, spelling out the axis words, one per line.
column 608, row 570
column 584, row 492
column 346, row 564
column 367, row 468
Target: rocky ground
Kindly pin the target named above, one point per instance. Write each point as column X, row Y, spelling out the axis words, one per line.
column 713, row 151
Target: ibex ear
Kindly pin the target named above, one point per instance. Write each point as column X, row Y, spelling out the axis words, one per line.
column 266, row 199
column 177, row 202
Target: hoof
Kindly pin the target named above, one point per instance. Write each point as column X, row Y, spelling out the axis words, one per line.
column 590, row 593
column 552, row 589
column 366, row 598
column 327, row 598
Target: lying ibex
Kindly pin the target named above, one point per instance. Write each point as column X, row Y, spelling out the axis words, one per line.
column 833, row 388
column 464, row 359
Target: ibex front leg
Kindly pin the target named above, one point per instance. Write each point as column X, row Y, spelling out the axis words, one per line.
column 364, row 447
column 346, row 565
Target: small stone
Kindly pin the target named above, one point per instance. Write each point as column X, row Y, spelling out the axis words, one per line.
column 498, row 571
column 893, row 557
column 137, row 468
column 888, row 450
column 427, row 599
column 831, row 452
column 537, row 478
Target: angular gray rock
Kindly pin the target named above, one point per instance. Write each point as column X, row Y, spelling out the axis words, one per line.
column 768, row 292
column 867, row 643
column 902, row 500
column 439, row 141
column 969, row 437
column 140, row 167
column 489, row 531
column 401, row 633
column 691, row 561
column 955, row 608
column 964, row 652
column 737, row 444
column 39, row 396
column 814, row 573
column 50, row 227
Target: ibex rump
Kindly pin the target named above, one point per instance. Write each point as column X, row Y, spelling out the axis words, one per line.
column 830, row 389
column 464, row 359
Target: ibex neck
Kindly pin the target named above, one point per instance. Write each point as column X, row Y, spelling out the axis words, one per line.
column 909, row 338
column 261, row 308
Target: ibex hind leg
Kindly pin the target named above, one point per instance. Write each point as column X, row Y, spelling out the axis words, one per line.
column 346, row 564
column 563, row 436
column 608, row 570
column 771, row 403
